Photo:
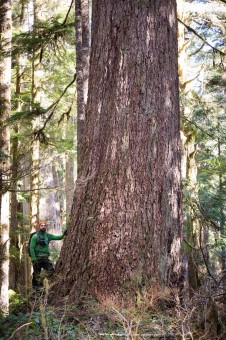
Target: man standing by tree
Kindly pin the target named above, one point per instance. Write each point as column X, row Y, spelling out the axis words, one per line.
column 39, row 250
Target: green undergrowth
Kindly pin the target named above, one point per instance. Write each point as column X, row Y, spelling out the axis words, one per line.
column 155, row 316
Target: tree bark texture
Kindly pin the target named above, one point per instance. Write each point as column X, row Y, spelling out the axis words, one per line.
column 125, row 232
column 70, row 172
column 5, row 97
column 82, row 69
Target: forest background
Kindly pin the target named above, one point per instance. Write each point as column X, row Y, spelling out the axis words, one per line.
column 45, row 55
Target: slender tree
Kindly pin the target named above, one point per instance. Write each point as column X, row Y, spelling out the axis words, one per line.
column 14, row 267
column 35, row 100
column 82, row 69
column 189, row 167
column 5, row 94
column 125, row 232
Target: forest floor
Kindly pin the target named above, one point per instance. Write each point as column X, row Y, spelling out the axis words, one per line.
column 154, row 316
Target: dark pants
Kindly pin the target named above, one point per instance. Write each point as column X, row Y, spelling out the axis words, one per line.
column 37, row 267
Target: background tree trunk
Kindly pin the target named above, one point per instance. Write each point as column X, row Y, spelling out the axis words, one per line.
column 35, row 149
column 222, row 222
column 82, row 69
column 125, row 232
column 14, row 246
column 191, row 221
column 14, row 230
column 5, row 97
column 50, row 207
column 189, row 167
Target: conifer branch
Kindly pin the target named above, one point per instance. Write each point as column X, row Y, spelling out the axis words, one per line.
column 203, row 254
column 201, row 129
column 52, row 108
column 207, row 217
column 190, row 245
column 38, row 189
column 183, row 85
column 68, row 12
column 197, row 51
column 67, row 113
column 200, row 37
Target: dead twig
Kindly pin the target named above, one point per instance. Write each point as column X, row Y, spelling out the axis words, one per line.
column 19, row 329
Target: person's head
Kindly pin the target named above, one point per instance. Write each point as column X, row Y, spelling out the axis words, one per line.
column 42, row 225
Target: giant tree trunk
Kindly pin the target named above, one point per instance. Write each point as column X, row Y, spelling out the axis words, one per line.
column 5, row 78
column 125, row 232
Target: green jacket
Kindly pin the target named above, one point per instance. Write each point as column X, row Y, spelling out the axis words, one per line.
column 39, row 251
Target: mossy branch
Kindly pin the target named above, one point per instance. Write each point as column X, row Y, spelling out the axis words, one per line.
column 200, row 37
